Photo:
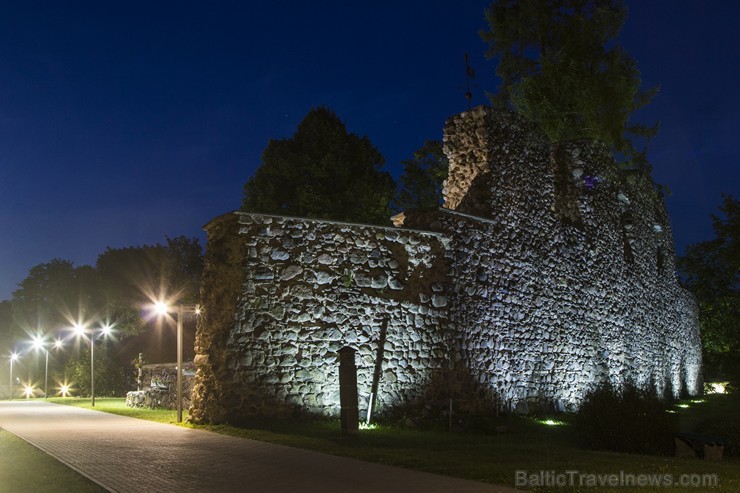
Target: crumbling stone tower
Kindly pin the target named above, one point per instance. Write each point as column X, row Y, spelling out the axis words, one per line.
column 567, row 274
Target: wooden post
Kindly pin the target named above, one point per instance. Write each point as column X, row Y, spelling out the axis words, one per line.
column 450, row 416
column 378, row 369
column 349, row 410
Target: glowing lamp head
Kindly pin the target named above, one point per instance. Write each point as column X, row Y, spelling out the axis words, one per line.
column 106, row 330
column 79, row 330
column 28, row 390
column 37, row 342
column 13, row 356
column 58, row 344
column 64, row 390
column 161, row 308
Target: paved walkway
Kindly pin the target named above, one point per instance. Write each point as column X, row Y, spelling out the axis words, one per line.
column 132, row 455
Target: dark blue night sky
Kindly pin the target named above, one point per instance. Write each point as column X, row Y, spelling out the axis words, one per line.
column 122, row 124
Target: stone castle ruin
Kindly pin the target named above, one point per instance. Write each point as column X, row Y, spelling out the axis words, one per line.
column 547, row 272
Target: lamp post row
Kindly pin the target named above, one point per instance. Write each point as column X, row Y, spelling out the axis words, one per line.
column 80, row 330
column 38, row 344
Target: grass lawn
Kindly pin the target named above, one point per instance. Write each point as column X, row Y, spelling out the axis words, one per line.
column 117, row 405
column 527, row 445
column 25, row 468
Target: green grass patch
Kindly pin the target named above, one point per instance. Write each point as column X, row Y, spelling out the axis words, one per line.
column 528, row 444
column 116, row 405
column 25, row 468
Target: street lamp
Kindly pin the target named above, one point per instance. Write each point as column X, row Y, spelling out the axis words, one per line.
column 13, row 357
column 80, row 331
column 163, row 309
column 38, row 343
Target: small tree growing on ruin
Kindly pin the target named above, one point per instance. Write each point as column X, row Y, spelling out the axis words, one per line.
column 560, row 67
column 322, row 172
column 422, row 178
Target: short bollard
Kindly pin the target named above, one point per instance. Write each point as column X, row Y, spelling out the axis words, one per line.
column 349, row 412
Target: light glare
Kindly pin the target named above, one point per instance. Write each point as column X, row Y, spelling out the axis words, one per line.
column 718, row 387
column 64, row 388
column 161, row 307
column 79, row 329
column 38, row 343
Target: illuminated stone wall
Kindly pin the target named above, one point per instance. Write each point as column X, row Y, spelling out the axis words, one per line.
column 553, row 273
column 567, row 273
column 311, row 287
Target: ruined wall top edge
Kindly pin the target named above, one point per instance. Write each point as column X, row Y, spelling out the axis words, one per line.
column 257, row 217
column 499, row 158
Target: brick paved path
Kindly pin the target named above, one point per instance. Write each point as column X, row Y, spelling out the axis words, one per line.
column 132, row 455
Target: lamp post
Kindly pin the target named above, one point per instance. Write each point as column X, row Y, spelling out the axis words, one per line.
column 80, row 331
column 163, row 309
column 38, row 343
column 13, row 357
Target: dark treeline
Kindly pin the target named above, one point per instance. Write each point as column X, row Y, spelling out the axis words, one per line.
column 117, row 292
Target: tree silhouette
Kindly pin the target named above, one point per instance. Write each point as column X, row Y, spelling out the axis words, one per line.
column 321, row 172
column 711, row 270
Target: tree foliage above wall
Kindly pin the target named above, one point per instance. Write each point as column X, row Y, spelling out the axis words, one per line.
column 324, row 172
column 422, row 178
column 561, row 67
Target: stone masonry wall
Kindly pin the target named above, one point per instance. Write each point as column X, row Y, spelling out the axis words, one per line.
column 214, row 396
column 312, row 287
column 548, row 272
column 566, row 281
